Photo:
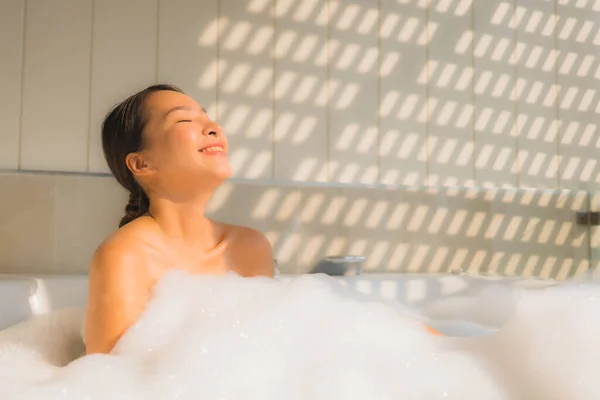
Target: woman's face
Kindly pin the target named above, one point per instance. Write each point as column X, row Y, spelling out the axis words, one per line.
column 182, row 144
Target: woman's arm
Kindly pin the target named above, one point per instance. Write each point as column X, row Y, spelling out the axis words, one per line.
column 118, row 289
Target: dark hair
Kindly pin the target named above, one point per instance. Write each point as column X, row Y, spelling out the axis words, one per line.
column 123, row 133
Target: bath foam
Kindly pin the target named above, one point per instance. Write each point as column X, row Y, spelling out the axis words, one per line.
column 548, row 348
column 233, row 338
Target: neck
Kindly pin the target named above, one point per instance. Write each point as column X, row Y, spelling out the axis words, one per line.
column 184, row 221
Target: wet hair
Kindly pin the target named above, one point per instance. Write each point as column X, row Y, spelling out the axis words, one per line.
column 123, row 133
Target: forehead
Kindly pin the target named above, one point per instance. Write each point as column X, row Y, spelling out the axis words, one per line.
column 158, row 104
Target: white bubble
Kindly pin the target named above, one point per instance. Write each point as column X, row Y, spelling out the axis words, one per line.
column 233, row 338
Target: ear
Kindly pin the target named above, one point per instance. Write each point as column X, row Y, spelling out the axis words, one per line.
column 137, row 164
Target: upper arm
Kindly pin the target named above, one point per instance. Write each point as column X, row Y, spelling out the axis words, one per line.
column 116, row 296
column 255, row 253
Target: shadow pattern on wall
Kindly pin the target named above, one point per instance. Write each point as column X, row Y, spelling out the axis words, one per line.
column 411, row 92
column 417, row 230
column 54, row 222
column 429, row 94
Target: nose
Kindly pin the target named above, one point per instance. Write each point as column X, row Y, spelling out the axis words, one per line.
column 212, row 130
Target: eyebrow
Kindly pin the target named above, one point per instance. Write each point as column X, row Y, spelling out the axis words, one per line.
column 179, row 108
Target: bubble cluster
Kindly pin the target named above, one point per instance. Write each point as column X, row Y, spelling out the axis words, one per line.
column 228, row 337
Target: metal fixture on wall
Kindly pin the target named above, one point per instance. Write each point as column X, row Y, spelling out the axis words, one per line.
column 339, row 265
column 590, row 218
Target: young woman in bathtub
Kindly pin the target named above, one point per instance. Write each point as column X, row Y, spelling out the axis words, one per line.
column 166, row 151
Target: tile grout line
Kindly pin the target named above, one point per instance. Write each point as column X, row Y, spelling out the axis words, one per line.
column 273, row 83
column 22, row 100
column 157, row 44
column 90, row 88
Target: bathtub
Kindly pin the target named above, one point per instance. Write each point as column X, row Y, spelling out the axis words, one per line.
column 25, row 296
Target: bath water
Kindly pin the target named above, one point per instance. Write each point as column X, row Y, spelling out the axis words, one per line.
column 223, row 338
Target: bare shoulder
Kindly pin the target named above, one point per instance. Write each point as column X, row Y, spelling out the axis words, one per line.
column 121, row 252
column 249, row 237
column 115, row 251
column 251, row 250
column 119, row 273
column 113, row 267
column 119, row 283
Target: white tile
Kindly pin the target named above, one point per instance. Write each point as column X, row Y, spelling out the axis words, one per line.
column 536, row 233
column 27, row 223
column 56, row 93
column 88, row 209
column 442, row 231
column 187, row 48
column 364, row 225
column 494, row 124
column 245, row 84
column 123, row 61
column 536, row 117
column 300, row 112
column 303, row 224
column 403, row 91
column 353, row 79
column 11, row 48
column 314, row 228
column 578, row 77
column 450, row 84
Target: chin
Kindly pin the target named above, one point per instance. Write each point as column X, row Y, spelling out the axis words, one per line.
column 223, row 173
column 225, row 176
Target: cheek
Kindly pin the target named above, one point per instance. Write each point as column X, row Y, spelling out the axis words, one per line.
column 176, row 148
column 183, row 138
column 177, row 145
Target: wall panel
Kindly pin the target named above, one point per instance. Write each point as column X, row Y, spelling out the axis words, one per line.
column 578, row 77
column 353, row 78
column 301, row 91
column 187, row 48
column 56, row 91
column 536, row 123
column 403, row 92
column 450, row 94
column 11, row 64
column 494, row 100
column 245, row 84
column 123, row 61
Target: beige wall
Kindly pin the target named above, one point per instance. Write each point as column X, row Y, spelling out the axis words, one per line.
column 53, row 223
column 418, row 95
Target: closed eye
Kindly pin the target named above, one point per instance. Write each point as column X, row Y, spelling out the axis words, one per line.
column 184, row 120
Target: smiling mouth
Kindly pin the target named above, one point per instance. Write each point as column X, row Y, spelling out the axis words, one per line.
column 212, row 149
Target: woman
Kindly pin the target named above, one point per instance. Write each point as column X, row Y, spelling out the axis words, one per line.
column 164, row 149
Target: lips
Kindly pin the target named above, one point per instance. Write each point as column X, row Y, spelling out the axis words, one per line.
column 213, row 148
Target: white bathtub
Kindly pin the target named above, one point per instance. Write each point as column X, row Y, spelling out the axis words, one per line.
column 23, row 296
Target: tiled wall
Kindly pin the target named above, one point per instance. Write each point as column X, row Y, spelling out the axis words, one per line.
column 446, row 92
column 53, row 223
column 422, row 95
